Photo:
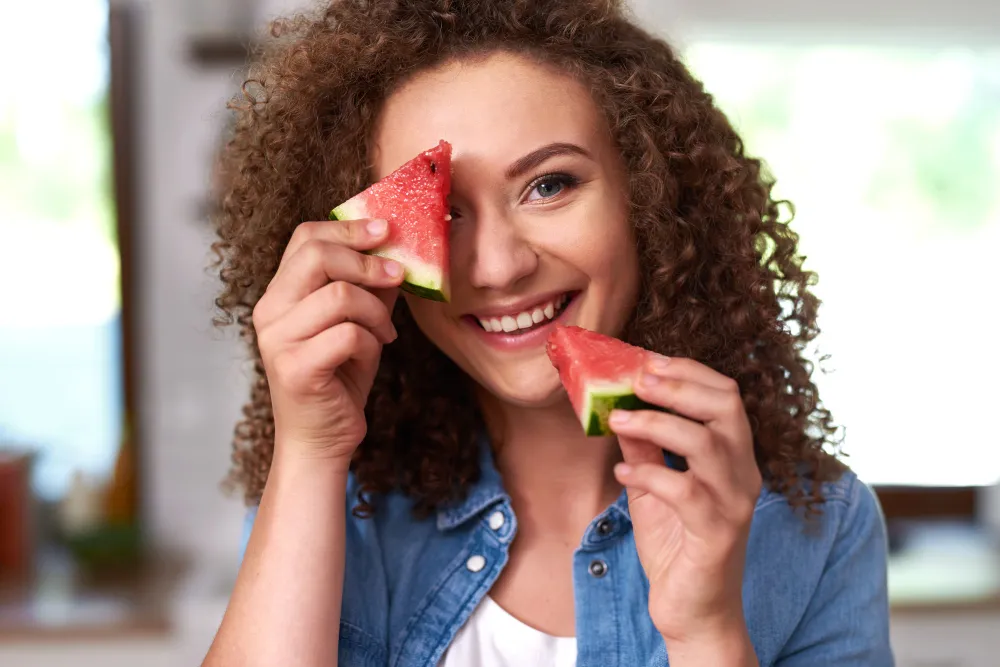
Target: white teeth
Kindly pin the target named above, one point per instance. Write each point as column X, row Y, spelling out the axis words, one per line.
column 525, row 319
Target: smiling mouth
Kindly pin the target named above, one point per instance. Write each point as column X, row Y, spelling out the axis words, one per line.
column 514, row 324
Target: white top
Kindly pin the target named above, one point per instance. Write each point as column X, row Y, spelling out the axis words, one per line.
column 493, row 638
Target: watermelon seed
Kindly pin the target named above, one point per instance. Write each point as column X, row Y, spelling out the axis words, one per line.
column 434, row 167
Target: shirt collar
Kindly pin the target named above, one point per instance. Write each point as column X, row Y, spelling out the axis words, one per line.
column 489, row 491
column 485, row 493
column 620, row 507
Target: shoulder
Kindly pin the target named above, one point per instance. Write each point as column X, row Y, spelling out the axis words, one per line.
column 392, row 516
column 849, row 523
column 853, row 505
column 848, row 504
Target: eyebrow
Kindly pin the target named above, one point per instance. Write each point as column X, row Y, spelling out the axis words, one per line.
column 540, row 155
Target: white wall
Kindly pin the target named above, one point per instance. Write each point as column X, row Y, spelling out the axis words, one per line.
column 958, row 20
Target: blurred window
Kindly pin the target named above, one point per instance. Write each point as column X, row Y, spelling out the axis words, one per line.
column 60, row 347
column 891, row 156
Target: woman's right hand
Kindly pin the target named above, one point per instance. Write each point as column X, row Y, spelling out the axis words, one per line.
column 320, row 327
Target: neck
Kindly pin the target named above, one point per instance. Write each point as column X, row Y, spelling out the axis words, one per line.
column 556, row 476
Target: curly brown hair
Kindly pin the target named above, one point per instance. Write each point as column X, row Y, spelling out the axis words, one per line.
column 722, row 281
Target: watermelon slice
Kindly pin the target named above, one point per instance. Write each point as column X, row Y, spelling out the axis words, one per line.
column 598, row 373
column 414, row 201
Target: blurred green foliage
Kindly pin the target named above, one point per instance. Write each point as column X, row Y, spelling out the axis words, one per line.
column 919, row 128
column 58, row 169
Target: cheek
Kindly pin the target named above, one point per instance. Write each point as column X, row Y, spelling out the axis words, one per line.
column 617, row 279
column 607, row 252
column 617, row 256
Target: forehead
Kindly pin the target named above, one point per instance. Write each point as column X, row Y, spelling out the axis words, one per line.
column 493, row 110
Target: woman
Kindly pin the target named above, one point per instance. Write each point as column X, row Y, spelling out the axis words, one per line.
column 423, row 492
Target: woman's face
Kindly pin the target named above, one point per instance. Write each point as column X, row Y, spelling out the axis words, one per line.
column 540, row 231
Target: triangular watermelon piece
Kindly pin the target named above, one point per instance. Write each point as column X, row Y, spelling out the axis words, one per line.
column 414, row 201
column 598, row 373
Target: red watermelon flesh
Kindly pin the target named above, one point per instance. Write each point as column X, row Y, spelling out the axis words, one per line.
column 414, row 201
column 598, row 373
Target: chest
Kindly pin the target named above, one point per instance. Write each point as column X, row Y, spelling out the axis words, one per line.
column 599, row 595
column 536, row 586
column 435, row 580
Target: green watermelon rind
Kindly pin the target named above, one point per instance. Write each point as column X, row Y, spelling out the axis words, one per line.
column 600, row 400
column 419, row 278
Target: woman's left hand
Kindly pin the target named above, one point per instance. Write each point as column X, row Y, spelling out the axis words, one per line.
column 691, row 528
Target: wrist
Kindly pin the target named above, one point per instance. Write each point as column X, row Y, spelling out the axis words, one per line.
column 726, row 644
column 290, row 460
column 294, row 452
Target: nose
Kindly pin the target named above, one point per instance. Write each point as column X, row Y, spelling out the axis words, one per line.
column 500, row 255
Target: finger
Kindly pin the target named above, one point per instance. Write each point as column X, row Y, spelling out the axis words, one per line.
column 317, row 263
column 678, row 368
column 694, row 400
column 346, row 345
column 683, row 493
column 361, row 234
column 387, row 297
column 328, row 306
column 707, row 459
column 638, row 450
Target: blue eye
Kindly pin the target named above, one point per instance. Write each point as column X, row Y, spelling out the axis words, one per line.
column 549, row 186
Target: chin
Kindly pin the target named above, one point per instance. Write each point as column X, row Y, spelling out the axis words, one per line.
column 528, row 390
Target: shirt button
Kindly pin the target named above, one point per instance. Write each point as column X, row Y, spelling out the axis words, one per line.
column 604, row 527
column 475, row 563
column 497, row 520
column 598, row 568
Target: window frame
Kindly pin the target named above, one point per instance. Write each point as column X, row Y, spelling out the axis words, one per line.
column 123, row 84
column 928, row 502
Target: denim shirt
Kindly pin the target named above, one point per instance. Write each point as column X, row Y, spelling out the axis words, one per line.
column 814, row 594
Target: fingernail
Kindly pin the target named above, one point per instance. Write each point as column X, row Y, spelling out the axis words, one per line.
column 393, row 269
column 619, row 416
column 622, row 469
column 377, row 227
column 659, row 364
column 648, row 380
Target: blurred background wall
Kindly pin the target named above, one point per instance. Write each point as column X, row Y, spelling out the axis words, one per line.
column 899, row 100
